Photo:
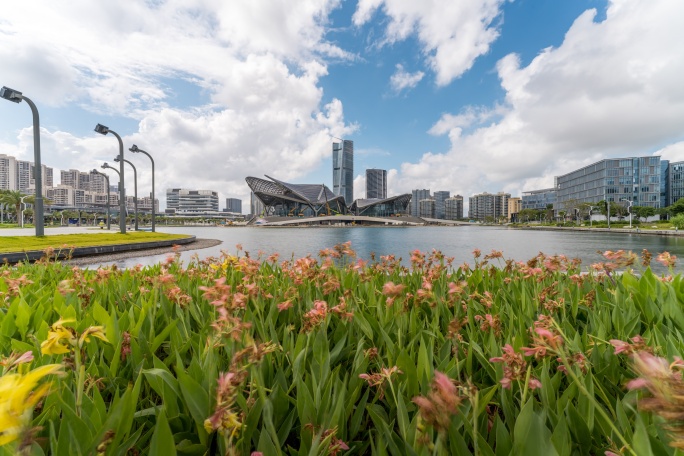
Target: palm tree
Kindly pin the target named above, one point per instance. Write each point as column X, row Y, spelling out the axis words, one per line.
column 13, row 198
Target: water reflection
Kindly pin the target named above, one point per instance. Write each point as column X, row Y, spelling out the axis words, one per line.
column 458, row 242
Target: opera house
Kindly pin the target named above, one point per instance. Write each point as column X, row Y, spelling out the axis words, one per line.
column 282, row 199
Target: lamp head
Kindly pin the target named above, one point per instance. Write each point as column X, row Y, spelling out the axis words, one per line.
column 134, row 148
column 106, row 165
column 117, row 159
column 101, row 129
column 11, row 94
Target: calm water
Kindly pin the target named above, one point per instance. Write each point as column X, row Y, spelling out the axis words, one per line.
column 458, row 242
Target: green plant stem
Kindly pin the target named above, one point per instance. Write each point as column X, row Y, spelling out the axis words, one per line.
column 475, row 417
column 80, row 368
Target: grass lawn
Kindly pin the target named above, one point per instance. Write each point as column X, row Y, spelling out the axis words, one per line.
column 25, row 243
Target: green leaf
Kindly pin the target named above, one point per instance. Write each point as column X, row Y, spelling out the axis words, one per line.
column 162, row 440
column 530, row 436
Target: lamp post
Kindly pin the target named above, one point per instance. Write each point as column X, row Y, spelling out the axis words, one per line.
column 109, row 225
column 122, row 194
column 591, row 221
column 577, row 215
column 23, row 207
column 135, row 149
column 122, row 215
column 135, row 190
column 629, row 209
column 16, row 97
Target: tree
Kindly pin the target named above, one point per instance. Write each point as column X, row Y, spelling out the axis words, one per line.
column 643, row 212
column 13, row 198
column 677, row 207
column 678, row 221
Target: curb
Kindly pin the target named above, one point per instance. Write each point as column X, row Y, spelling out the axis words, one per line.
column 34, row 255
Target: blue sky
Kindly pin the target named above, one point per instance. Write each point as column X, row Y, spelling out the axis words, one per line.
column 467, row 96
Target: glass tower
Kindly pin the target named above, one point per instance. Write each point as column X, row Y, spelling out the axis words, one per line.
column 343, row 170
column 376, row 184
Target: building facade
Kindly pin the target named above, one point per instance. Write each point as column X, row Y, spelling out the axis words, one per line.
column 453, row 208
column 426, row 208
column 485, row 206
column 416, row 197
column 343, row 170
column 376, row 183
column 675, row 180
column 8, row 172
column 515, row 205
column 635, row 179
column 185, row 200
column 440, row 197
column 233, row 205
column 539, row 199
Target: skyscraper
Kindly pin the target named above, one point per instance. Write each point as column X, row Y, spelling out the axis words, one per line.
column 343, row 170
column 439, row 198
column 417, row 196
column 376, row 183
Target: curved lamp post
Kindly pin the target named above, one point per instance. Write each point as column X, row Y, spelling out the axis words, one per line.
column 135, row 149
column 107, row 166
column 135, row 190
column 109, row 225
column 16, row 97
column 23, row 208
column 122, row 194
column 629, row 209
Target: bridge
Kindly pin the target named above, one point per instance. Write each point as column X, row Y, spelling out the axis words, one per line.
column 344, row 220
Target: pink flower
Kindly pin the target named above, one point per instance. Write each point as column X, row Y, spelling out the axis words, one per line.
column 392, row 290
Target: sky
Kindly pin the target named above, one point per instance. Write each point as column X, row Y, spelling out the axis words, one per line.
column 465, row 96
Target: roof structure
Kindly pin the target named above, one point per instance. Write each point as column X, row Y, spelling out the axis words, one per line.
column 361, row 206
column 274, row 192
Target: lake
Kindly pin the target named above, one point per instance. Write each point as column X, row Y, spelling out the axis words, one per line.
column 458, row 242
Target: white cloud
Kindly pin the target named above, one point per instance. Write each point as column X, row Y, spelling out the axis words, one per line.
column 401, row 79
column 259, row 62
column 611, row 89
column 453, row 33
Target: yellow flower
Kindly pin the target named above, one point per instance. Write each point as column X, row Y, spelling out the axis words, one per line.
column 18, row 397
column 53, row 345
column 95, row 331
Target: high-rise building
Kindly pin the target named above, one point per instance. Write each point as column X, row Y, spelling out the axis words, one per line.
column 440, row 198
column 343, row 170
column 676, row 182
column 376, row 183
column 184, row 200
column 233, row 205
column 635, row 179
column 8, row 172
column 453, row 208
column 23, row 175
column 426, row 208
column 487, row 205
column 416, row 197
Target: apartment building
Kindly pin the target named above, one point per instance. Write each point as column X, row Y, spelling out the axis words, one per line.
column 453, row 208
column 487, row 205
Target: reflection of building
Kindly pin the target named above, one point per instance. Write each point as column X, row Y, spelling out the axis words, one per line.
column 376, row 184
column 453, row 208
column 440, row 198
column 488, row 206
column 283, row 199
column 538, row 199
column 233, row 205
column 381, row 207
column 514, row 207
column 416, row 197
column 343, row 170
column 636, row 179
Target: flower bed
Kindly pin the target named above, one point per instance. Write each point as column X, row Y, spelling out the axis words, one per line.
column 335, row 355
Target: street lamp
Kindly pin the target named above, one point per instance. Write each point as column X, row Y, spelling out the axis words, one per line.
column 577, row 216
column 135, row 190
column 629, row 209
column 122, row 194
column 591, row 221
column 122, row 215
column 135, row 149
column 23, row 208
column 109, row 225
column 16, row 97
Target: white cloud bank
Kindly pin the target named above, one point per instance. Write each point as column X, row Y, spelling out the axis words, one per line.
column 402, row 79
column 258, row 62
column 611, row 89
column 453, row 33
